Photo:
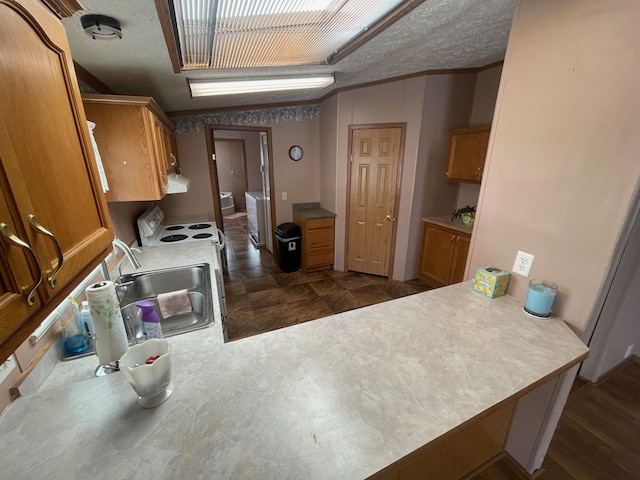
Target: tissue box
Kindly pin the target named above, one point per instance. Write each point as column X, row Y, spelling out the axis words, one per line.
column 491, row 281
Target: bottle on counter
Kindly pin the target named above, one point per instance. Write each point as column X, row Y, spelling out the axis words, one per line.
column 150, row 320
column 75, row 341
column 85, row 319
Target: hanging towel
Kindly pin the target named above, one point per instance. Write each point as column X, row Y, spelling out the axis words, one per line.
column 96, row 153
column 174, row 303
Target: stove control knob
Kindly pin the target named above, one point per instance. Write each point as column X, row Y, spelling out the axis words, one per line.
column 152, row 224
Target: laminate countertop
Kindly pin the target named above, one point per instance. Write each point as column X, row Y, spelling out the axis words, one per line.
column 447, row 222
column 339, row 397
column 312, row 210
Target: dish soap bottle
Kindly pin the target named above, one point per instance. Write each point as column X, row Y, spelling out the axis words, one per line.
column 75, row 341
column 150, row 320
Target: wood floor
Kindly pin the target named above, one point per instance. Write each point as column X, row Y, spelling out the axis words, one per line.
column 261, row 297
column 598, row 436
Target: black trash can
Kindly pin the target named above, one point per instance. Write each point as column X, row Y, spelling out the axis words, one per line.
column 288, row 236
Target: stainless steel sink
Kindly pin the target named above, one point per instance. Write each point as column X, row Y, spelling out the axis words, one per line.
column 134, row 287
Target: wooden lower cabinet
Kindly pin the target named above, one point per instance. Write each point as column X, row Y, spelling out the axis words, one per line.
column 444, row 254
column 458, row 453
column 317, row 242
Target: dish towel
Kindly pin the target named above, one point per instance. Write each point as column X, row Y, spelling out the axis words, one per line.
column 174, row 303
column 96, row 153
column 111, row 337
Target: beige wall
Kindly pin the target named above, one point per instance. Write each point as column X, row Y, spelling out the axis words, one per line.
column 563, row 154
column 123, row 217
column 300, row 180
column 484, row 102
column 252, row 150
column 197, row 203
column 387, row 103
column 328, row 152
column 447, row 104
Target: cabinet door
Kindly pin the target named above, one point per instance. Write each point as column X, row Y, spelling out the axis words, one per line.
column 16, row 277
column 161, row 153
column 460, row 258
column 467, row 155
column 47, row 158
column 438, row 246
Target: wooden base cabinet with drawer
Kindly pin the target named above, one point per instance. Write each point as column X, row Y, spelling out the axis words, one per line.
column 444, row 254
column 317, row 242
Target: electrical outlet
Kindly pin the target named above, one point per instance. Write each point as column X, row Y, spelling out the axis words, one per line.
column 629, row 350
column 284, row 195
column 522, row 265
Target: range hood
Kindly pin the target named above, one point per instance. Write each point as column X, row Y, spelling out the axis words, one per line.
column 177, row 183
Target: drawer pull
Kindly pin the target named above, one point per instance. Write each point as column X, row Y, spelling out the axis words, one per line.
column 30, row 292
column 33, row 221
column 174, row 160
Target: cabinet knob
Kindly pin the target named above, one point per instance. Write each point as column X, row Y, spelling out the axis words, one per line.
column 453, row 237
column 33, row 221
column 30, row 292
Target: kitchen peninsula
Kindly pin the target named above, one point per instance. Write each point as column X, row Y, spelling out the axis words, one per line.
column 354, row 395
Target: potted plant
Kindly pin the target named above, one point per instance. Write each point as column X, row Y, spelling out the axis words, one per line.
column 467, row 214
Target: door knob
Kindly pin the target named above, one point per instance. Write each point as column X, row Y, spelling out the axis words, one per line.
column 390, row 218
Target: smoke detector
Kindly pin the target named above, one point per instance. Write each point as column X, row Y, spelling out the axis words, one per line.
column 101, row 26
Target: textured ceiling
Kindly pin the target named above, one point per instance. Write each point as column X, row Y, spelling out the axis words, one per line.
column 439, row 34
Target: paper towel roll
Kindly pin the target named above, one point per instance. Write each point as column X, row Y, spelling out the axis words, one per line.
column 111, row 337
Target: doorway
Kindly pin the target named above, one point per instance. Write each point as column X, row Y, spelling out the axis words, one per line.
column 254, row 173
column 373, row 192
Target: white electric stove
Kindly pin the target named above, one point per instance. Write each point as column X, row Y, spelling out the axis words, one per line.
column 154, row 232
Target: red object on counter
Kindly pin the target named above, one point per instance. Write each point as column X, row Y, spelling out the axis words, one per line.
column 150, row 360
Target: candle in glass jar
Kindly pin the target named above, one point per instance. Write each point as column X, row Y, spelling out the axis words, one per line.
column 540, row 298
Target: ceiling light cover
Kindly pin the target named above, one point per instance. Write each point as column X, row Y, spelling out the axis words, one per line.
column 201, row 88
column 101, row 27
column 247, row 33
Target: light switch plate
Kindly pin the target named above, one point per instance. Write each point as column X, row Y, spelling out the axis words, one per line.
column 523, row 263
column 284, row 195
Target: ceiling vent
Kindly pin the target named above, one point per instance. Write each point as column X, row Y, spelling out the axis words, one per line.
column 101, row 27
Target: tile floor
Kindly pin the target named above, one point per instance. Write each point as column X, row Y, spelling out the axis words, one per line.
column 261, row 297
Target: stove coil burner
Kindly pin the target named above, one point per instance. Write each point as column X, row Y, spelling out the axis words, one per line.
column 200, row 226
column 174, row 238
column 202, row 235
column 174, row 227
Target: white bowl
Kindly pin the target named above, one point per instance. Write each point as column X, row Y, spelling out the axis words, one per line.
column 151, row 382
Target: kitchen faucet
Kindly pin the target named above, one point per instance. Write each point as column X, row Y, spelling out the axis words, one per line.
column 127, row 253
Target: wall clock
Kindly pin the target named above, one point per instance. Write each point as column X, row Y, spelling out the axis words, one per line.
column 295, row 153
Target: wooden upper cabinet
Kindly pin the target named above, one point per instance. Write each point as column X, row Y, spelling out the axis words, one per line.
column 136, row 143
column 51, row 200
column 467, row 154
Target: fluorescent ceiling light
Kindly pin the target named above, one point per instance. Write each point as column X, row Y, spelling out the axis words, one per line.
column 203, row 88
